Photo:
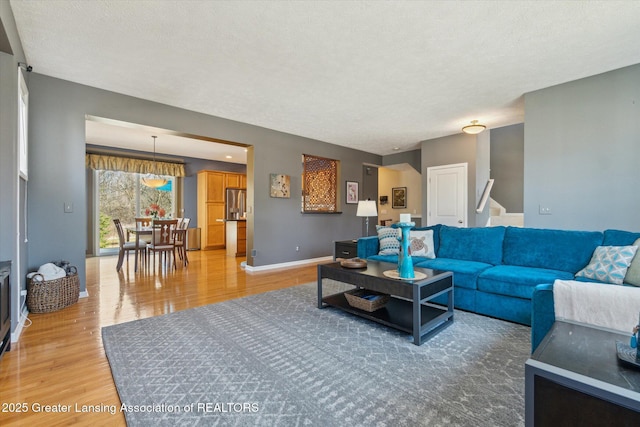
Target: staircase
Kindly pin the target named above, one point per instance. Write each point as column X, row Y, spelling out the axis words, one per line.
column 500, row 216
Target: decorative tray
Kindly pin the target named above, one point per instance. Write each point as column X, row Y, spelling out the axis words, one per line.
column 393, row 274
column 353, row 263
column 627, row 354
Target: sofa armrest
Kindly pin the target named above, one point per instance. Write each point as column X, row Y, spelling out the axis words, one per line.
column 542, row 313
column 368, row 246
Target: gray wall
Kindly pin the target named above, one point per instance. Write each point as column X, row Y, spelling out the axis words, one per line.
column 11, row 208
column 368, row 191
column 57, row 128
column 507, row 167
column 411, row 157
column 582, row 145
column 459, row 148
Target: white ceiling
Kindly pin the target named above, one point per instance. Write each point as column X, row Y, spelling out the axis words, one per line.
column 111, row 133
column 371, row 75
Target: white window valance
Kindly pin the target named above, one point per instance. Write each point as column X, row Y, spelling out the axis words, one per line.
column 126, row 164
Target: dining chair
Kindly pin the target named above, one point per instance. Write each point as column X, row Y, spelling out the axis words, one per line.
column 126, row 247
column 163, row 239
column 181, row 239
column 141, row 223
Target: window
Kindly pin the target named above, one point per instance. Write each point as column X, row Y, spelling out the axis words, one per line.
column 121, row 195
column 319, row 184
column 23, row 125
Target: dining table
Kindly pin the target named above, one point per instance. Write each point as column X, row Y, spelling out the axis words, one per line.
column 138, row 231
column 147, row 231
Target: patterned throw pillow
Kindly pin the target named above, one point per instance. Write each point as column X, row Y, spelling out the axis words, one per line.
column 389, row 243
column 633, row 273
column 609, row 264
column 421, row 243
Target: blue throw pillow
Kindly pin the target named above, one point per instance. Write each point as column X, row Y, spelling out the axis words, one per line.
column 389, row 243
column 609, row 264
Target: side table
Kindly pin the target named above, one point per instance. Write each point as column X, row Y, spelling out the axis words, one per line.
column 574, row 378
column 345, row 249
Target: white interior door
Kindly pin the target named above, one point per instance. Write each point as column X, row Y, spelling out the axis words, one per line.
column 447, row 195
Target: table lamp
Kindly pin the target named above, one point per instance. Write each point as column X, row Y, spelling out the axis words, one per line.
column 367, row 208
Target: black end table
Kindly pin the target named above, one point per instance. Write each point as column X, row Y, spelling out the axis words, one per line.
column 574, row 378
column 345, row 249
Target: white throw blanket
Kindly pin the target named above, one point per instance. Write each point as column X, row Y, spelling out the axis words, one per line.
column 609, row 306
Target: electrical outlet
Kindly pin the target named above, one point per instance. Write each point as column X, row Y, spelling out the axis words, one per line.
column 297, row 248
column 544, row 210
column 68, row 207
column 254, row 252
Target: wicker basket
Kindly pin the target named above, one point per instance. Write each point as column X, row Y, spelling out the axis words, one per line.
column 354, row 298
column 45, row 296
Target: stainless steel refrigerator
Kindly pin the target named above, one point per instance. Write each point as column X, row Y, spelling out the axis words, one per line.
column 235, row 204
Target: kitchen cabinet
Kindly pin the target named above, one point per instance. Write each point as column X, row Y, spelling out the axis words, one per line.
column 212, row 187
column 216, row 184
column 236, row 238
column 234, row 180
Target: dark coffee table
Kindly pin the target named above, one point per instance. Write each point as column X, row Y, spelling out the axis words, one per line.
column 408, row 309
column 574, row 378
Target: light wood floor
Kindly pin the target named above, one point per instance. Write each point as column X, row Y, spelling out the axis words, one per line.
column 59, row 359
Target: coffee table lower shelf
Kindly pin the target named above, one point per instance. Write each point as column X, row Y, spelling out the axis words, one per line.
column 398, row 314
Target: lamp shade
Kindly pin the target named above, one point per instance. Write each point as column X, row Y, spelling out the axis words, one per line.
column 153, row 181
column 367, row 208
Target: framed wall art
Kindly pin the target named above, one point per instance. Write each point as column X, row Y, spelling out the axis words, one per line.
column 399, row 197
column 280, row 185
column 351, row 192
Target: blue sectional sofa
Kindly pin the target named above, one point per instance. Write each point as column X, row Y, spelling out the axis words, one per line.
column 543, row 310
column 499, row 270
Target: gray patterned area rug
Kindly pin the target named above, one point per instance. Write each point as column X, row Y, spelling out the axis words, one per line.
column 275, row 359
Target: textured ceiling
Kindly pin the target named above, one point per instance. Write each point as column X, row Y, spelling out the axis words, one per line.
column 371, row 75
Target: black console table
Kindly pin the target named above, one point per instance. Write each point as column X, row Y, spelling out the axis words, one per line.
column 574, row 378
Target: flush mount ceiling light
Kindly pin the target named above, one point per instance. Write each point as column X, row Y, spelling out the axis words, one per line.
column 473, row 128
column 153, row 180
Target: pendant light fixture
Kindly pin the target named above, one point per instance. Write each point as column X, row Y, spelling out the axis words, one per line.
column 153, row 180
column 473, row 128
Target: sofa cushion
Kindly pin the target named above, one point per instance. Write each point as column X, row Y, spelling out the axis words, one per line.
column 421, row 243
column 609, row 264
column 633, row 273
column 472, row 244
column 436, row 235
column 550, row 249
column 619, row 238
column 517, row 281
column 465, row 273
column 389, row 243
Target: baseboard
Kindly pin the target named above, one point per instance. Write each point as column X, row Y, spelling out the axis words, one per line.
column 84, row 294
column 15, row 335
column 252, row 269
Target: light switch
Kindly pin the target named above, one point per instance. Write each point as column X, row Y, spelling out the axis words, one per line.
column 544, row 210
column 68, row 207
